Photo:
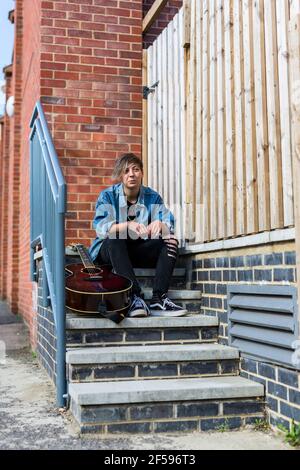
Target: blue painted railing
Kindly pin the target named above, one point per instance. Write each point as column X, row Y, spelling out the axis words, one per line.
column 47, row 230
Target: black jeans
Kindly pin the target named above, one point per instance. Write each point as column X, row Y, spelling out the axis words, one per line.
column 124, row 255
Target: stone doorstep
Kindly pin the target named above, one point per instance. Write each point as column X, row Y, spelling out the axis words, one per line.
column 154, row 353
column 85, row 322
column 166, row 390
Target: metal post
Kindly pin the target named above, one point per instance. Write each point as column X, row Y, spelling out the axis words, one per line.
column 61, row 385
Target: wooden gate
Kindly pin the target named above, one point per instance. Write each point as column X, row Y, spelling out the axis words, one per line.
column 164, row 119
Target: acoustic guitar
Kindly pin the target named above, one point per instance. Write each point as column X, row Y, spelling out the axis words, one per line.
column 96, row 290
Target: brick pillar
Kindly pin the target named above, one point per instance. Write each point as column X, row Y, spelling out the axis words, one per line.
column 91, row 81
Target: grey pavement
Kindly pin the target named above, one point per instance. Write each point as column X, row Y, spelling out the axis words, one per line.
column 13, row 332
column 29, row 418
column 6, row 317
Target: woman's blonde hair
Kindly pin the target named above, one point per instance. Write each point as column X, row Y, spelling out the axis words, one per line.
column 123, row 162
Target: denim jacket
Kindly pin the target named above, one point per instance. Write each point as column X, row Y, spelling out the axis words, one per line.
column 111, row 208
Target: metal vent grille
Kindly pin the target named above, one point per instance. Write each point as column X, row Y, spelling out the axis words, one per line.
column 262, row 321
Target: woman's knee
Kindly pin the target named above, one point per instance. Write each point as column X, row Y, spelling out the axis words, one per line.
column 171, row 246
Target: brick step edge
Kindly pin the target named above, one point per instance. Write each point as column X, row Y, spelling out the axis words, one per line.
column 145, row 418
column 150, row 371
column 122, row 337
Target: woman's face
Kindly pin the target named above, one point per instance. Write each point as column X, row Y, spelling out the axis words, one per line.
column 132, row 177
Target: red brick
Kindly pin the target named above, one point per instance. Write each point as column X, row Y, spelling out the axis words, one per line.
column 90, row 78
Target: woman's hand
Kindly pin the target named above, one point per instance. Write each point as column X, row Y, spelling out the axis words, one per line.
column 156, row 228
column 136, row 230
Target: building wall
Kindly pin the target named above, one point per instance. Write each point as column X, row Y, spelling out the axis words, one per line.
column 30, row 86
column 5, row 155
column 46, row 342
column 91, row 89
column 282, row 386
column 273, row 264
column 13, row 233
column 268, row 264
column 2, row 131
column 84, row 60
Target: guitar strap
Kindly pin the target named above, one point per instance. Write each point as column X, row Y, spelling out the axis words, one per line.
column 116, row 317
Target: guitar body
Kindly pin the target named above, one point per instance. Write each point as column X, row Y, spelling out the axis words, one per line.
column 97, row 290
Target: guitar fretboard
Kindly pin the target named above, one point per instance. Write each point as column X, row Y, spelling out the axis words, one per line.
column 85, row 257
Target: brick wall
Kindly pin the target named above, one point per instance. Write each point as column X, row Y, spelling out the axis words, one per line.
column 166, row 15
column 13, row 232
column 91, row 79
column 30, row 85
column 282, row 388
column 2, row 129
column 7, row 123
column 211, row 274
column 269, row 264
column 84, row 59
column 46, row 343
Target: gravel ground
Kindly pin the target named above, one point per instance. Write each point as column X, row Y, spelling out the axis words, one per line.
column 30, row 420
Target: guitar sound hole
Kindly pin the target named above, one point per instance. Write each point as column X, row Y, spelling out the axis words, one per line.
column 92, row 271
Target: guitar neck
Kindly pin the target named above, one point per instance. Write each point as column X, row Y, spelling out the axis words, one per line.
column 85, row 257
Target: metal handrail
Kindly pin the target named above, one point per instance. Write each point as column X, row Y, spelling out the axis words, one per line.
column 47, row 229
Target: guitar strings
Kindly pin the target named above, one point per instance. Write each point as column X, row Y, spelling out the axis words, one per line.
column 92, row 270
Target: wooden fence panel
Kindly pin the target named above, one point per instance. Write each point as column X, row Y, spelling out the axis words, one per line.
column 221, row 118
column 239, row 118
column 229, row 195
column 230, row 90
column 276, row 202
column 166, row 120
column 261, row 117
column 282, row 7
column 206, row 124
column 199, row 222
column 250, row 128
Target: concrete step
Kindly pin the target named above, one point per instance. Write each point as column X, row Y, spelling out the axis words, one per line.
column 187, row 298
column 146, row 277
column 177, row 294
column 168, row 405
column 170, row 352
column 84, row 331
column 86, row 322
column 147, row 272
column 148, row 362
column 73, row 257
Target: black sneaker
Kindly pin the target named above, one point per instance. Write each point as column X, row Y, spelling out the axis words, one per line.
column 138, row 308
column 164, row 307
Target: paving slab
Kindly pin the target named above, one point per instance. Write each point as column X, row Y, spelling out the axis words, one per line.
column 6, row 316
column 13, row 333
